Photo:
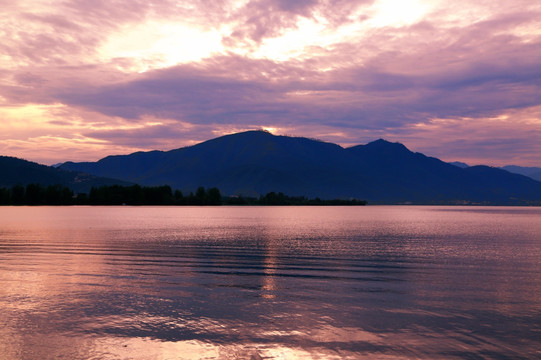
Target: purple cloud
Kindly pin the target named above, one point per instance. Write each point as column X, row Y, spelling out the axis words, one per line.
column 359, row 79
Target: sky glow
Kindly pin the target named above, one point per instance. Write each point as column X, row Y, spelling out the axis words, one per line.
column 457, row 80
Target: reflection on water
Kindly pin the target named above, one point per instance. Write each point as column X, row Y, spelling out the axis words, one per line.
column 269, row 282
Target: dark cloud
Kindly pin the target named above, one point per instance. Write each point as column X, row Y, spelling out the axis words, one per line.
column 262, row 19
column 152, row 137
column 233, row 89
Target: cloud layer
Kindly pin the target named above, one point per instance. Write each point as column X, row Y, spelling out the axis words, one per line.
column 461, row 80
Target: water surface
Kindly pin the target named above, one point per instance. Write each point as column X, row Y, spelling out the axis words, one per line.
column 270, row 282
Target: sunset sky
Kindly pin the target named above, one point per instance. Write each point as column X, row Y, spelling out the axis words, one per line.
column 458, row 80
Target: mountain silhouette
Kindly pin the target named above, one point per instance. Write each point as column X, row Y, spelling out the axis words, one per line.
column 14, row 171
column 532, row 172
column 257, row 162
column 460, row 164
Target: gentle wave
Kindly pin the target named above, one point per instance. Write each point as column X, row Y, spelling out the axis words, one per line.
column 168, row 283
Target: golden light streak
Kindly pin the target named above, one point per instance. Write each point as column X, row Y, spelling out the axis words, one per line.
column 272, row 130
column 54, row 133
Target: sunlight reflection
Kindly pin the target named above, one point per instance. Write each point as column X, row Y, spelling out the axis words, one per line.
column 146, row 348
column 269, row 263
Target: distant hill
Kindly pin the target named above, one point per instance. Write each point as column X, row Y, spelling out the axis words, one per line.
column 459, row 164
column 257, row 162
column 532, row 172
column 14, row 171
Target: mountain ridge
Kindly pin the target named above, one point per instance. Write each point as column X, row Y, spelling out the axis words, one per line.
column 15, row 171
column 529, row 171
column 257, row 162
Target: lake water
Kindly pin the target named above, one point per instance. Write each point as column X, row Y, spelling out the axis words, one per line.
column 378, row 282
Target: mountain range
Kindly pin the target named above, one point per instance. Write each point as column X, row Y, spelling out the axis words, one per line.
column 14, row 171
column 256, row 162
column 531, row 172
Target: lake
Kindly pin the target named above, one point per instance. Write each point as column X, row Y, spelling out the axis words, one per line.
column 378, row 282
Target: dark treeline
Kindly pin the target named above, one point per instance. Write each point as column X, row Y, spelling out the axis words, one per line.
column 151, row 195
column 35, row 194
column 273, row 198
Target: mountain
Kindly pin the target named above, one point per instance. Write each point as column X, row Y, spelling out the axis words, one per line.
column 532, row 172
column 257, row 162
column 14, row 171
column 248, row 163
column 459, row 164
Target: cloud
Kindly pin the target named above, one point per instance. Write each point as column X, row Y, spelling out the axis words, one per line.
column 510, row 137
column 262, row 19
column 347, row 70
column 237, row 89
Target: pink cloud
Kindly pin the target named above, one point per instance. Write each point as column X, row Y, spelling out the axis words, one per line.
column 381, row 80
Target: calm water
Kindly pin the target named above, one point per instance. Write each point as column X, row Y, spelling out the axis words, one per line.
column 270, row 282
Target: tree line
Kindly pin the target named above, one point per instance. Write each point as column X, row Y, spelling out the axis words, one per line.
column 281, row 199
column 35, row 194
